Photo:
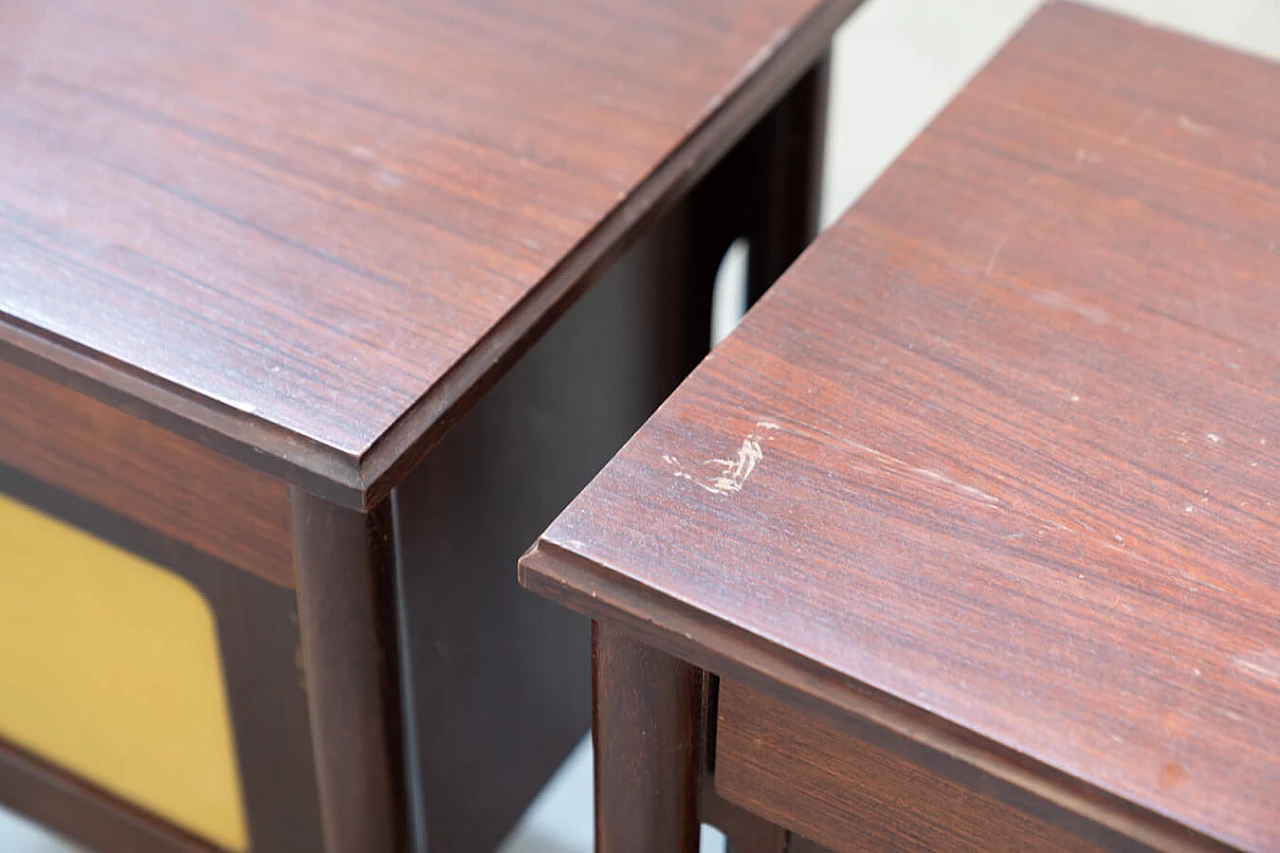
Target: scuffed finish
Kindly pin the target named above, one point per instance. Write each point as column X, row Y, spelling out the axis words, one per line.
column 303, row 214
column 1023, row 499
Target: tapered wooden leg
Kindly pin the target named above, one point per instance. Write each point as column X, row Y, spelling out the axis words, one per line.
column 346, row 604
column 645, row 734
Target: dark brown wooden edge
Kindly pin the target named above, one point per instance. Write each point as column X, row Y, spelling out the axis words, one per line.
column 83, row 813
column 149, row 469
column 413, row 435
column 350, row 648
column 913, row 734
column 275, row 452
column 360, row 483
column 796, row 844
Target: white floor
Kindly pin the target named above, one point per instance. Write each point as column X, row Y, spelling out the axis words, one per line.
column 897, row 62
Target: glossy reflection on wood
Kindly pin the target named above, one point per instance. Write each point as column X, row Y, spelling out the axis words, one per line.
column 260, row 259
column 309, row 234
column 989, row 480
column 487, row 745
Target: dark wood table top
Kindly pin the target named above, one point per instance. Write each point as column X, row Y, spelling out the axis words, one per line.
column 996, row 465
column 307, row 231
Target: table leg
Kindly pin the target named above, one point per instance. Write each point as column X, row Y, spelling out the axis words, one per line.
column 647, row 705
column 645, row 734
column 347, row 609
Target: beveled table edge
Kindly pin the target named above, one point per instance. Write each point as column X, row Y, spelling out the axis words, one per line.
column 908, row 731
column 360, row 482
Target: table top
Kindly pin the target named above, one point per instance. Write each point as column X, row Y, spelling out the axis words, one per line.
column 996, row 465
column 307, row 229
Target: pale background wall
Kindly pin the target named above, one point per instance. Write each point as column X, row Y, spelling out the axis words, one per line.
column 897, row 62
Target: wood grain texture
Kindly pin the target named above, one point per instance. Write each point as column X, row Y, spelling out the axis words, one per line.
column 348, row 611
column 174, row 486
column 309, row 233
column 644, row 734
column 852, row 797
column 1013, row 512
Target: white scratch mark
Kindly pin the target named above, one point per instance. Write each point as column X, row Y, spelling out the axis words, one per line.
column 770, row 425
column 736, row 471
column 1054, row 299
column 995, row 256
column 733, row 472
column 892, row 462
column 1190, row 125
column 1260, row 664
column 1216, row 439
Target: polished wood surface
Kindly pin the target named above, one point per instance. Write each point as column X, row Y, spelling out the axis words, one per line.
column 310, row 233
column 990, row 478
column 486, row 746
column 475, row 750
column 174, row 486
column 646, row 706
column 853, row 797
column 346, row 603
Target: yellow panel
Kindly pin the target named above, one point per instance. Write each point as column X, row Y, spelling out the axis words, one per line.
column 109, row 668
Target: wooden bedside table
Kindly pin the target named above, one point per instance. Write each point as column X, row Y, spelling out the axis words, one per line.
column 975, row 517
column 273, row 422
